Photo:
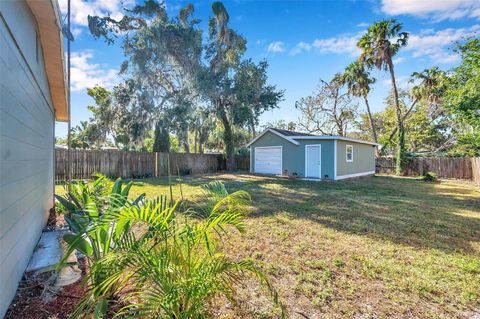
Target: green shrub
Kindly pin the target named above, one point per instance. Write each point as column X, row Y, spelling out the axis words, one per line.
column 150, row 259
column 79, row 191
column 430, row 177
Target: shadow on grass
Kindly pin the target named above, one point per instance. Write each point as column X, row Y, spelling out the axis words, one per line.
column 401, row 210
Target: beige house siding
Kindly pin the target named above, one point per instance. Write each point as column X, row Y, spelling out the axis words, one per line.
column 363, row 159
column 26, row 144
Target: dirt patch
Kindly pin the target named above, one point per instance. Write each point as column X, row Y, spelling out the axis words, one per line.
column 36, row 298
column 55, row 220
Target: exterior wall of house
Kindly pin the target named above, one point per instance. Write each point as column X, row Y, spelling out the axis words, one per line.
column 26, row 144
column 293, row 157
column 363, row 159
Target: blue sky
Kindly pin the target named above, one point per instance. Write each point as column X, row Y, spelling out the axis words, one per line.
column 303, row 41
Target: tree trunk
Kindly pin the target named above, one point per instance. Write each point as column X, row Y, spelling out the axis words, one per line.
column 202, row 136
column 392, row 134
column 252, row 127
column 195, row 141
column 161, row 138
column 227, row 138
column 401, row 162
column 186, row 145
column 372, row 126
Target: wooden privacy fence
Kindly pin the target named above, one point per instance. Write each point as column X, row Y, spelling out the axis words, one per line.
column 444, row 167
column 385, row 165
column 243, row 162
column 476, row 170
column 115, row 163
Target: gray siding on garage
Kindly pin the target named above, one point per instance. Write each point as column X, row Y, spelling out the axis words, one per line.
column 26, row 145
column 293, row 157
column 363, row 158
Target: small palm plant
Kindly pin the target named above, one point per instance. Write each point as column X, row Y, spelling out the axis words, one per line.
column 80, row 191
column 162, row 263
column 88, row 212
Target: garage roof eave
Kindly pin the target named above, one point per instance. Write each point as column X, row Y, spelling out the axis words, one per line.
column 334, row 137
column 291, row 140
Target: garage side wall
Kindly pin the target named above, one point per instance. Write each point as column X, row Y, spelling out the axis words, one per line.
column 293, row 156
column 290, row 160
column 26, row 145
column 363, row 159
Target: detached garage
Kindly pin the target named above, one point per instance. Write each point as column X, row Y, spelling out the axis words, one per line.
column 289, row 153
column 268, row 160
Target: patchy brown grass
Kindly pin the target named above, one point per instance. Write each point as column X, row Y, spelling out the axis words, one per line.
column 379, row 247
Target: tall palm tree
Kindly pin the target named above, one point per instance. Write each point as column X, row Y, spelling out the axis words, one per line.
column 358, row 80
column 430, row 88
column 430, row 85
column 381, row 42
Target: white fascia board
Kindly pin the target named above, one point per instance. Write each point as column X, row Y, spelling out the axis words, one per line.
column 309, row 137
column 288, row 138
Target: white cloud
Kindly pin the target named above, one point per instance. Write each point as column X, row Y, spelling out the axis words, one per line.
column 363, row 25
column 435, row 9
column 436, row 45
column 80, row 9
column 344, row 44
column 276, row 47
column 76, row 32
column 300, row 47
column 85, row 74
column 398, row 60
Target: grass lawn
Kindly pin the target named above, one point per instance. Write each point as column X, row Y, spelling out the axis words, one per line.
column 379, row 247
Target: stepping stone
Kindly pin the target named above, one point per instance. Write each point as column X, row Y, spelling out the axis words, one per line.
column 48, row 252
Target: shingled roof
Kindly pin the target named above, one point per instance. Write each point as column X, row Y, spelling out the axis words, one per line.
column 290, row 133
column 293, row 137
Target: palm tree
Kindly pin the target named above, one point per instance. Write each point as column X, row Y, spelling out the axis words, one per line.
column 381, row 42
column 429, row 88
column 358, row 80
column 430, row 85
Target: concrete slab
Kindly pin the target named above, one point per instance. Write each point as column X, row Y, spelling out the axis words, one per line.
column 48, row 252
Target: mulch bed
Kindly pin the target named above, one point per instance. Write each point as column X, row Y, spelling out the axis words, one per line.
column 36, row 297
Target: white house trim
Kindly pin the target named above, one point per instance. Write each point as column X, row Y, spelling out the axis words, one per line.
column 346, row 153
column 273, row 146
column 288, row 138
column 355, row 175
column 309, row 137
column 335, row 160
column 306, row 159
column 251, row 156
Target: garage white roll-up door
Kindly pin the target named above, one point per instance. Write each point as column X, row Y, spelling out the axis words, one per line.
column 268, row 160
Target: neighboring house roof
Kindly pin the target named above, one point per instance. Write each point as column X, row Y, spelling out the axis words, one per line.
column 293, row 136
column 47, row 14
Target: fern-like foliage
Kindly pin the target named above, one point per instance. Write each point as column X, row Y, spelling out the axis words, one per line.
column 147, row 260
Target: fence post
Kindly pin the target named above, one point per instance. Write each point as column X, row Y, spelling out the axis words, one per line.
column 156, row 164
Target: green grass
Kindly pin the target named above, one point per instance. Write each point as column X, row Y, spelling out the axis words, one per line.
column 376, row 247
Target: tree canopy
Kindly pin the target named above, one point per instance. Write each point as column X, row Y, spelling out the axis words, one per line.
column 176, row 76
